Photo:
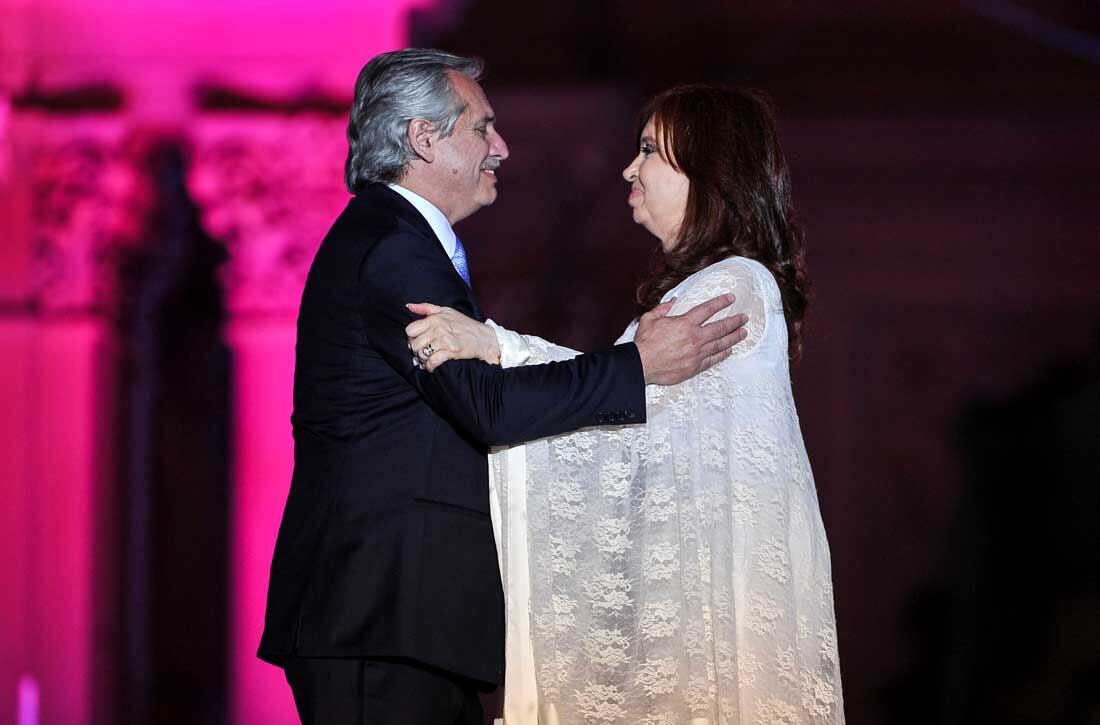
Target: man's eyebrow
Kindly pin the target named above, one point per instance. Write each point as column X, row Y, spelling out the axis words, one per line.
column 488, row 119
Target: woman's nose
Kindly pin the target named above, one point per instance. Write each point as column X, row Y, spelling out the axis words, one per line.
column 631, row 171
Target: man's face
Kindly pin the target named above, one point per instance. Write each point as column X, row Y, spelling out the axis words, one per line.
column 466, row 161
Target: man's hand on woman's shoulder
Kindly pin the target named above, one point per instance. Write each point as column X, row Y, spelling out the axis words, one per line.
column 674, row 349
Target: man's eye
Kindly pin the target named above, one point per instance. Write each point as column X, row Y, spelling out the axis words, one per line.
column 482, row 130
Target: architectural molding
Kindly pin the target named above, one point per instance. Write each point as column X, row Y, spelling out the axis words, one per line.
column 89, row 204
column 268, row 187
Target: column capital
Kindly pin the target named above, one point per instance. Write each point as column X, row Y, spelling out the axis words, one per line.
column 89, row 204
column 268, row 187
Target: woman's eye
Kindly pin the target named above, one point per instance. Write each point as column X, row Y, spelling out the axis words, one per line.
column 646, row 149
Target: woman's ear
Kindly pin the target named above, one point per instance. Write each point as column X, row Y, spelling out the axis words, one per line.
column 421, row 136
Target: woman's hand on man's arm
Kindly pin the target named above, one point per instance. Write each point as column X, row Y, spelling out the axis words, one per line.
column 444, row 334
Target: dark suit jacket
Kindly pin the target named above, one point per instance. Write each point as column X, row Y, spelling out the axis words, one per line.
column 386, row 546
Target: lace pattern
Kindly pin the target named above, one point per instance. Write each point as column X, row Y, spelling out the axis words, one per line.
column 679, row 571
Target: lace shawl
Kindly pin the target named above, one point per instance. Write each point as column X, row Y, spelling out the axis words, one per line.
column 679, row 571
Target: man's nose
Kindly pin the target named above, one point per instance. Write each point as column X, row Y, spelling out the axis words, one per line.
column 498, row 147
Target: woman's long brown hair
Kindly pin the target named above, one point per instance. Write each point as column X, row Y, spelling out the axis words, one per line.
column 739, row 201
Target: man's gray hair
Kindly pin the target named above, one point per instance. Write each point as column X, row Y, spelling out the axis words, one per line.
column 392, row 90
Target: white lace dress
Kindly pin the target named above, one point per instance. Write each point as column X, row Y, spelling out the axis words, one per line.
column 676, row 572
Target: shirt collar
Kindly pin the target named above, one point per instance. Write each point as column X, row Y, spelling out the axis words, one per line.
column 436, row 219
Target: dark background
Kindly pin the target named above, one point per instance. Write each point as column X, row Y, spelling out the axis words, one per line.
column 945, row 163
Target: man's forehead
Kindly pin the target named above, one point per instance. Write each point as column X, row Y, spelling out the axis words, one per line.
column 473, row 96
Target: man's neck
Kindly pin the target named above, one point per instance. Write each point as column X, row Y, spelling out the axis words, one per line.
column 432, row 214
column 428, row 191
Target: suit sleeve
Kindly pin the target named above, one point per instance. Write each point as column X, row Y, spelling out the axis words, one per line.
column 494, row 405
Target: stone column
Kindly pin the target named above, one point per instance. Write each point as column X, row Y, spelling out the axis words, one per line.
column 268, row 187
column 71, row 205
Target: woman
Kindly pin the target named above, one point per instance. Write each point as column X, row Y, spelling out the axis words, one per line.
column 678, row 572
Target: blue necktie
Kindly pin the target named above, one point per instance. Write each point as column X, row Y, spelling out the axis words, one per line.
column 458, row 259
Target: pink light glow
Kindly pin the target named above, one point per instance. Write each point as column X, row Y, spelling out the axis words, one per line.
column 155, row 52
column 263, row 355
column 27, row 713
column 160, row 48
column 63, row 407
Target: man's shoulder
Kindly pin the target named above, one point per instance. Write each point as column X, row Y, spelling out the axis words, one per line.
column 366, row 215
column 376, row 216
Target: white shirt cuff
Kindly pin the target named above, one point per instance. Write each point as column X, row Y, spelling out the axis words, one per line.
column 514, row 350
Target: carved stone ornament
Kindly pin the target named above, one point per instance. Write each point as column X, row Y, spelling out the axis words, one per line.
column 268, row 187
column 89, row 206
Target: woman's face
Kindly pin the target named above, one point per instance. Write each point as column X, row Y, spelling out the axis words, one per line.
column 658, row 192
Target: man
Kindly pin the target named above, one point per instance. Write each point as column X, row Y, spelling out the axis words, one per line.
column 385, row 602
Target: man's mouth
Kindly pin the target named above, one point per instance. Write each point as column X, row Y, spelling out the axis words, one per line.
column 490, row 167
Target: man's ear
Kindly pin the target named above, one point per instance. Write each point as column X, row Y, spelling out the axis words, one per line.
column 421, row 136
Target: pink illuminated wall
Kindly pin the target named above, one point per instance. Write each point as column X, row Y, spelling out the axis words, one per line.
column 159, row 48
column 59, row 561
column 57, row 347
column 264, row 457
column 269, row 188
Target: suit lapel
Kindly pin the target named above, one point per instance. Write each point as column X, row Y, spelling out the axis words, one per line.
column 473, row 303
column 382, row 194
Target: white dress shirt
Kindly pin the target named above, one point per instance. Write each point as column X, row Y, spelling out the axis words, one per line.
column 436, row 219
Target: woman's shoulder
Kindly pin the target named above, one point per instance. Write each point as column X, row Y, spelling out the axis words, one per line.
column 726, row 275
